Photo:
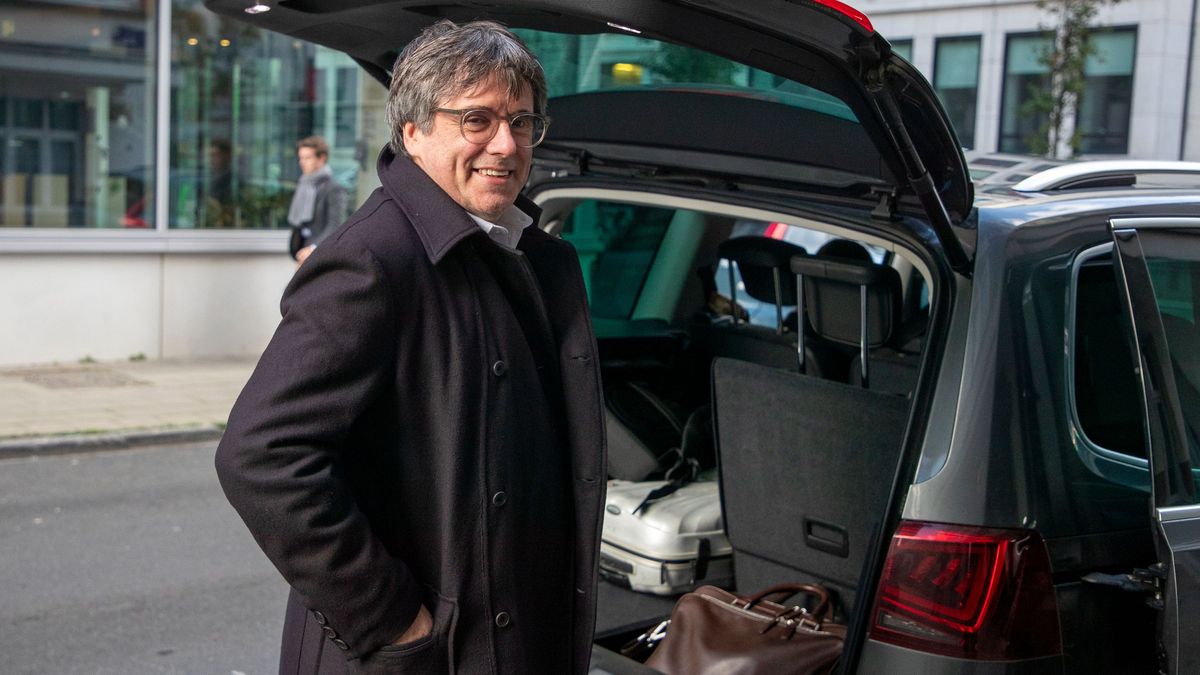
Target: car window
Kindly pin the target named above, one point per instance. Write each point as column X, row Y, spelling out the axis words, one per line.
column 576, row 64
column 617, row 244
column 1174, row 283
column 1105, row 388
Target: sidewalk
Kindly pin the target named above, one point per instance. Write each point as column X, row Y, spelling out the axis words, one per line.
column 71, row 407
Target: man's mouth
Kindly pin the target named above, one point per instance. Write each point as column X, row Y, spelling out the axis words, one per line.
column 495, row 173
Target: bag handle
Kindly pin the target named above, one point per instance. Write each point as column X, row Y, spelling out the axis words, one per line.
column 820, row 612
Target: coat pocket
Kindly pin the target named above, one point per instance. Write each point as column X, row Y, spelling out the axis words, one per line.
column 433, row 654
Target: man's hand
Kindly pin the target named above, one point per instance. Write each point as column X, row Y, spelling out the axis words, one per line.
column 303, row 254
column 421, row 626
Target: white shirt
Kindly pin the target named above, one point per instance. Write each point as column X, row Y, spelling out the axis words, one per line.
column 507, row 231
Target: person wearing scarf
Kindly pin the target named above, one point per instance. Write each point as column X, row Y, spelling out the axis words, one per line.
column 319, row 204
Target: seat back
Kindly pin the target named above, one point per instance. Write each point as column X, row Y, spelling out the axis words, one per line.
column 806, row 468
column 763, row 263
column 858, row 304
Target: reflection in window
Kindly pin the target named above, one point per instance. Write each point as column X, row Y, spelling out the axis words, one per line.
column 76, row 120
column 1103, row 117
column 240, row 100
column 583, row 63
column 956, row 80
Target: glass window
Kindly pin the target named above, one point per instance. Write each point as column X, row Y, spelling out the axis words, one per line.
column 617, row 244
column 1106, row 391
column 1024, row 74
column 582, row 63
column 903, row 48
column 1103, row 117
column 240, row 100
column 1174, row 283
column 76, row 113
column 956, row 80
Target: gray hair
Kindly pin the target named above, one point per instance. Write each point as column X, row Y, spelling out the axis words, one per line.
column 447, row 60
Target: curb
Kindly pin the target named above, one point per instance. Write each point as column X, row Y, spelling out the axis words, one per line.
column 61, row 445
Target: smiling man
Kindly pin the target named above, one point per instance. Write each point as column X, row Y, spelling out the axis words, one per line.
column 420, row 449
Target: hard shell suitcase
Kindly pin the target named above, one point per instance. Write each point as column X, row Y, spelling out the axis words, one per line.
column 668, row 546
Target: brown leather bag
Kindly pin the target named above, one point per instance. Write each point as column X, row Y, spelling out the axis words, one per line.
column 714, row 631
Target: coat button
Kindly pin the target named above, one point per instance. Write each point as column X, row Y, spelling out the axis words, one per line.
column 500, row 498
column 341, row 644
column 503, row 619
column 329, row 632
column 321, row 620
column 499, row 368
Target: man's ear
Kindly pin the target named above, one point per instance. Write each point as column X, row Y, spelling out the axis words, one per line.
column 412, row 137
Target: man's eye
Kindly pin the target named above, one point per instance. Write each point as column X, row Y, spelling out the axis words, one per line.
column 521, row 123
column 474, row 120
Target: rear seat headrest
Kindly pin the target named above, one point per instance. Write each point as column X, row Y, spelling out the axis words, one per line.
column 756, row 258
column 833, row 301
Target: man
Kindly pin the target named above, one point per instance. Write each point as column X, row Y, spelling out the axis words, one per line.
column 319, row 204
column 420, row 449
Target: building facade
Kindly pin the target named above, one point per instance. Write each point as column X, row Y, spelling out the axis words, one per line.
column 147, row 147
column 982, row 56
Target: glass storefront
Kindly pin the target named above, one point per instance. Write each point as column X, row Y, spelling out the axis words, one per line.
column 78, row 116
column 240, row 100
column 77, row 113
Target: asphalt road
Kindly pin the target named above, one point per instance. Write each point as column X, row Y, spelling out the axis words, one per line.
column 129, row 562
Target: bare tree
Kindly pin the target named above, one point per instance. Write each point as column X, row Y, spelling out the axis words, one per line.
column 1065, row 59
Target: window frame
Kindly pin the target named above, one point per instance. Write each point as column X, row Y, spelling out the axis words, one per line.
column 1105, row 462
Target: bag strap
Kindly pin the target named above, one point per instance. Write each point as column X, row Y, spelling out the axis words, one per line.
column 820, row 612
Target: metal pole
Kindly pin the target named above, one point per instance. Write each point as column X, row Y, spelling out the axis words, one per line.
column 864, row 333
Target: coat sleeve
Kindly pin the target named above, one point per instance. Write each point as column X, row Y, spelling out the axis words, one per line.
column 332, row 354
column 334, row 212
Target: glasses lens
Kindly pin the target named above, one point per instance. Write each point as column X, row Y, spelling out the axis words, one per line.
column 478, row 126
column 528, row 129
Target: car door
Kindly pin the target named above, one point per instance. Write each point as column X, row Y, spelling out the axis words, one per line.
column 1157, row 265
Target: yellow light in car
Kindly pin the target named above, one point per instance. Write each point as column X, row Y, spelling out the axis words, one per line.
column 224, row 43
column 627, row 73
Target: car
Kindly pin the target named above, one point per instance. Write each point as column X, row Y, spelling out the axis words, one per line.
column 973, row 420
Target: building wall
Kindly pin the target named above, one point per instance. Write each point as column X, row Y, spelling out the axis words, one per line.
column 111, row 306
column 1165, row 30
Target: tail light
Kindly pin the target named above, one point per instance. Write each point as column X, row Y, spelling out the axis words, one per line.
column 967, row 592
column 849, row 12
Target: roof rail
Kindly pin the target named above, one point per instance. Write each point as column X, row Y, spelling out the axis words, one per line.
column 1111, row 173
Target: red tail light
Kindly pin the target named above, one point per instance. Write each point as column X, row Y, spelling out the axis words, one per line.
column 855, row 15
column 973, row 593
column 776, row 231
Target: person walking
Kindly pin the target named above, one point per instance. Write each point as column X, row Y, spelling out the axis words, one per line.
column 420, row 449
column 319, row 203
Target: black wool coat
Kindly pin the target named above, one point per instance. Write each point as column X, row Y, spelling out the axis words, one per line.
column 426, row 426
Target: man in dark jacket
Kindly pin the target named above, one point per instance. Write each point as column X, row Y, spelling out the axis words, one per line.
column 420, row 449
column 319, row 203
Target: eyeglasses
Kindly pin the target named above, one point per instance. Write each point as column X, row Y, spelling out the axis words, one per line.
column 479, row 125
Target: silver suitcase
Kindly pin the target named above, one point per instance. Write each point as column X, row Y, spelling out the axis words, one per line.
column 672, row 545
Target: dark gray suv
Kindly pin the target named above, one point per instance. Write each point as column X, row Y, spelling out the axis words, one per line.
column 972, row 417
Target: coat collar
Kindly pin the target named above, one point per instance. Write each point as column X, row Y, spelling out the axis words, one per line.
column 439, row 221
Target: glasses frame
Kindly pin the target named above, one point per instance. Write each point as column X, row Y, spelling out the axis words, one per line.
column 462, row 116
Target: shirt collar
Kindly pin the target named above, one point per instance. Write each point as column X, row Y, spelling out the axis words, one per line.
column 507, row 229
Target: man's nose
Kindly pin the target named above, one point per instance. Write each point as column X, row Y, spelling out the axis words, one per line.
column 503, row 142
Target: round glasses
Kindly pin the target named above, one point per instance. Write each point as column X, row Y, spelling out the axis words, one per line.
column 479, row 125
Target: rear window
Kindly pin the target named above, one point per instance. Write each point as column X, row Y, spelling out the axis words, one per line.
column 577, row 64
